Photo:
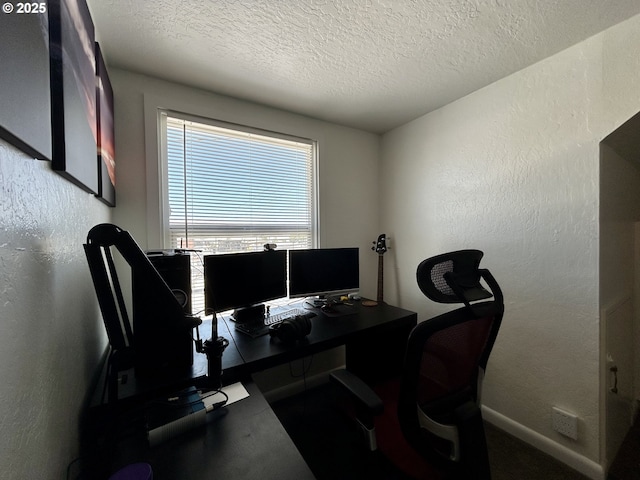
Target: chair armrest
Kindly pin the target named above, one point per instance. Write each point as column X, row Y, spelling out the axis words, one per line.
column 361, row 392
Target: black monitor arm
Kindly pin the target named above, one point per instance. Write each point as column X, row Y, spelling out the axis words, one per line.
column 168, row 307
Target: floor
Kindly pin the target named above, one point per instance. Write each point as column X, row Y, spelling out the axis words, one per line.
column 332, row 447
column 626, row 465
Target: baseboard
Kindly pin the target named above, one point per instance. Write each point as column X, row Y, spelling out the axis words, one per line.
column 296, row 387
column 561, row 453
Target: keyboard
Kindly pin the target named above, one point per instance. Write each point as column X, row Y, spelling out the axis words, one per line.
column 282, row 316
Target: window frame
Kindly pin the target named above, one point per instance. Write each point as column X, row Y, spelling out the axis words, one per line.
column 163, row 201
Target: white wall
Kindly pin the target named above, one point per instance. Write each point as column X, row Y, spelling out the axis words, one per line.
column 51, row 332
column 512, row 169
column 348, row 167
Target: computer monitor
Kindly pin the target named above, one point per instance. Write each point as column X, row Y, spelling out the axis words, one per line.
column 241, row 280
column 323, row 271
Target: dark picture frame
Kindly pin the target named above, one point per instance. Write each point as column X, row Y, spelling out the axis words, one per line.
column 73, row 92
column 25, row 101
column 106, row 134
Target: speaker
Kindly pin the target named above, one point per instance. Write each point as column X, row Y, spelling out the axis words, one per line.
column 162, row 326
column 291, row 329
column 175, row 270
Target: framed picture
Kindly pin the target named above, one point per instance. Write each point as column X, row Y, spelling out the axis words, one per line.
column 73, row 92
column 106, row 135
column 25, row 101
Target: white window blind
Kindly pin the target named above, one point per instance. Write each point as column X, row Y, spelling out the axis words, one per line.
column 233, row 190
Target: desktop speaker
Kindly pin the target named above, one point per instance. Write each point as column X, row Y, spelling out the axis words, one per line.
column 162, row 326
column 291, row 329
column 175, row 270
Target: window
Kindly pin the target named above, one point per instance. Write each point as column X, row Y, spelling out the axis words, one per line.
column 232, row 189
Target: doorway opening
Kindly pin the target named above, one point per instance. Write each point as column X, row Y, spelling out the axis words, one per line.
column 619, row 286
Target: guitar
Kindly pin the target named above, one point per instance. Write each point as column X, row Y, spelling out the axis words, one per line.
column 380, row 247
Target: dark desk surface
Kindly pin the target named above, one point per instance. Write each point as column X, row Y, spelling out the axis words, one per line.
column 244, row 440
column 327, row 332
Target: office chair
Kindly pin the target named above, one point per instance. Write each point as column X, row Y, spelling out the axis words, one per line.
column 161, row 337
column 428, row 422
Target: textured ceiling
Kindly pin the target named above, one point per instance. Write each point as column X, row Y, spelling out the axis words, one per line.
column 370, row 64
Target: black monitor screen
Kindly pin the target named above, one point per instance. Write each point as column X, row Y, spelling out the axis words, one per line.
column 323, row 271
column 239, row 280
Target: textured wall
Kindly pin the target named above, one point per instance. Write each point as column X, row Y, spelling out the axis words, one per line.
column 51, row 333
column 512, row 169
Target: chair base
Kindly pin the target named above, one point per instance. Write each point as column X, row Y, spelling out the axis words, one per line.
column 368, row 436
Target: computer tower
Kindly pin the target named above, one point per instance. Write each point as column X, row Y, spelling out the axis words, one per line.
column 162, row 343
column 175, row 270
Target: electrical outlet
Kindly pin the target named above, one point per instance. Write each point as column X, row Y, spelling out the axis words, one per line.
column 565, row 423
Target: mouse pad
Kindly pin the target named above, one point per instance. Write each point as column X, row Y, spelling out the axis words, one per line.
column 336, row 310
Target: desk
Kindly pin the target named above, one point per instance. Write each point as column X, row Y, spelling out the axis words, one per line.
column 244, row 440
column 374, row 338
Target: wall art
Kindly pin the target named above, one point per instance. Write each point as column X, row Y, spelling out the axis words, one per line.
column 106, row 135
column 73, row 92
column 25, row 101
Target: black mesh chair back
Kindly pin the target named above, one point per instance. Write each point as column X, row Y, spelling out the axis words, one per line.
column 439, row 398
column 452, row 277
column 446, row 358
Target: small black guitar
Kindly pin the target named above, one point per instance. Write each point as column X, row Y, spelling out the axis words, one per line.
column 380, row 247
